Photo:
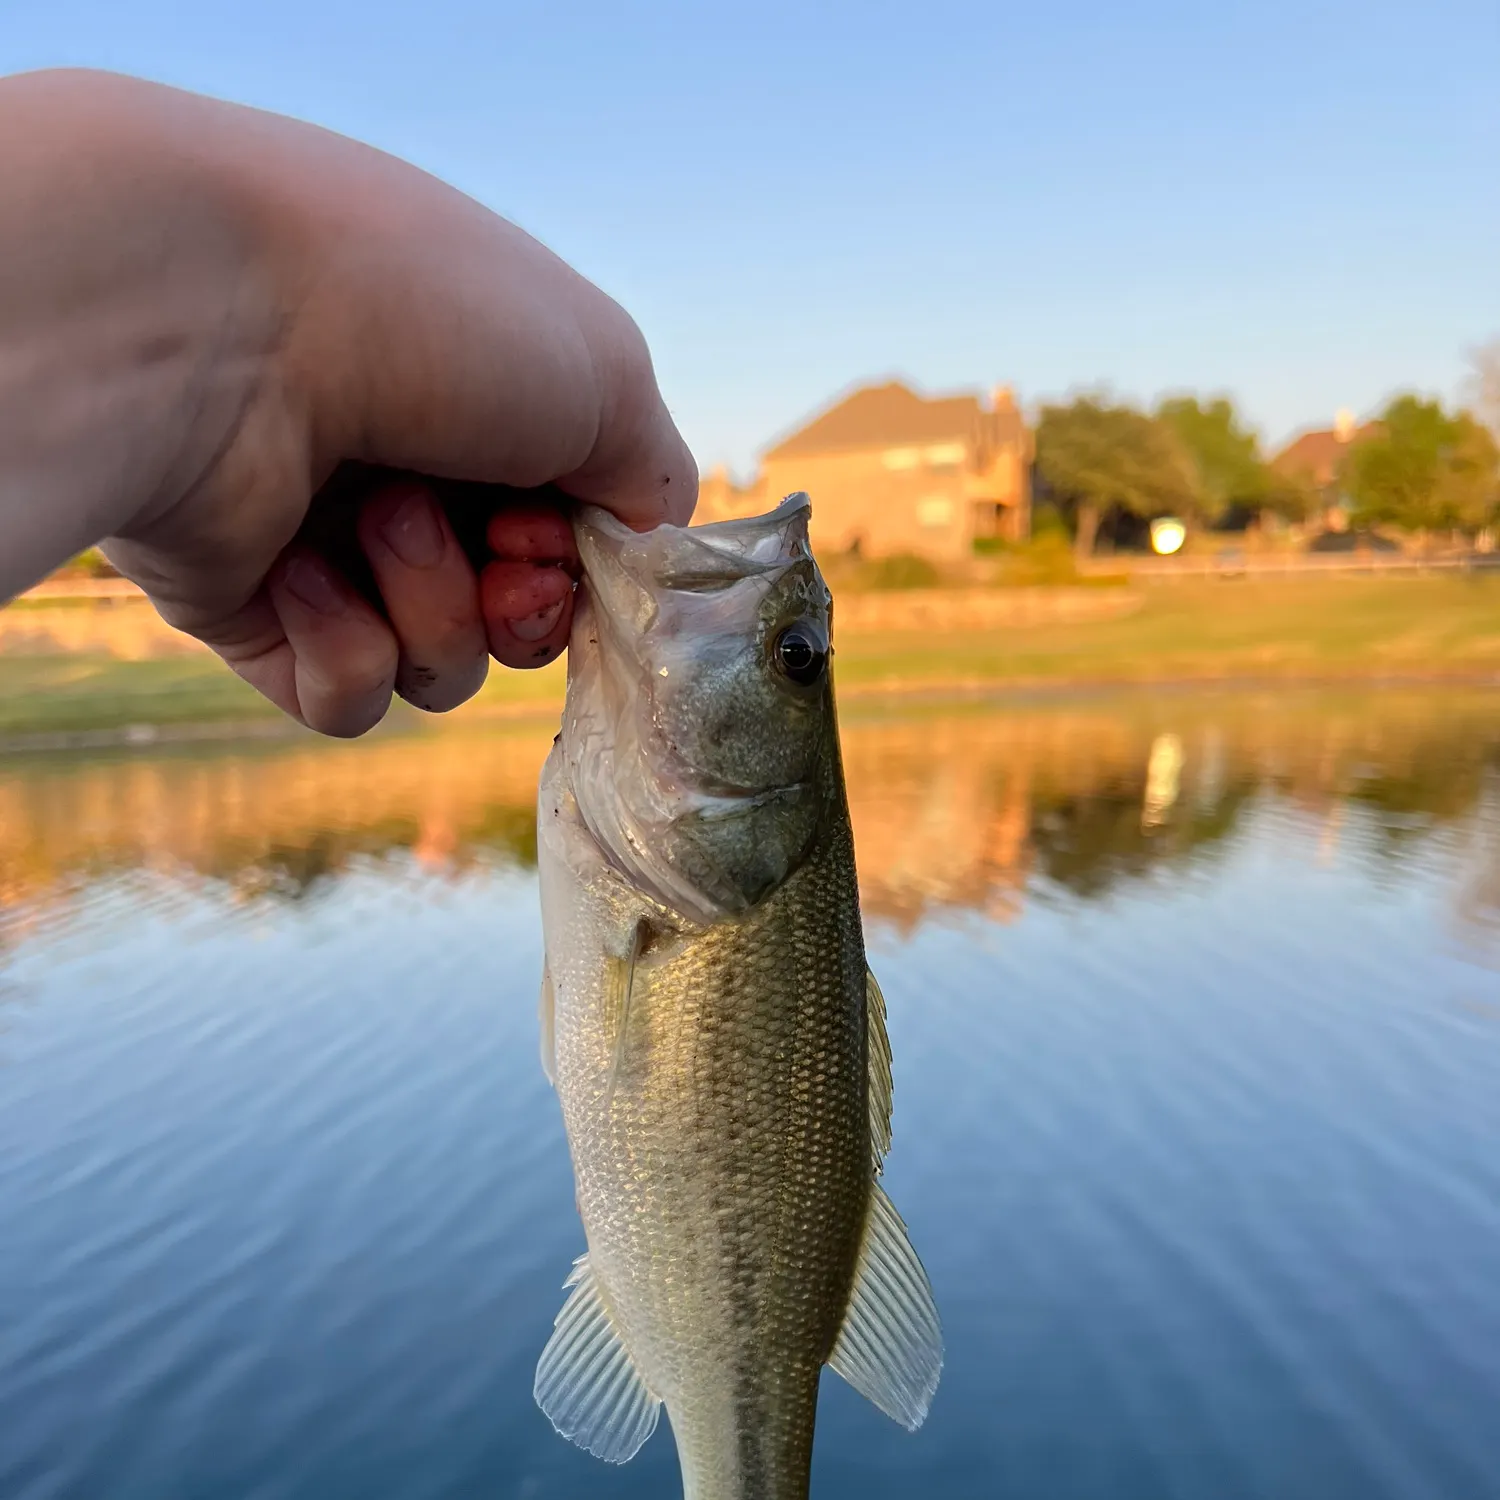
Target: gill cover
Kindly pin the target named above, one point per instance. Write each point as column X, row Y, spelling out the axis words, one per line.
column 699, row 758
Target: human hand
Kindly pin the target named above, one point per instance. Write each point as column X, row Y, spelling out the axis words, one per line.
column 256, row 357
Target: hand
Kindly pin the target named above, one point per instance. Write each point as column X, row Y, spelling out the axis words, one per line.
column 256, row 357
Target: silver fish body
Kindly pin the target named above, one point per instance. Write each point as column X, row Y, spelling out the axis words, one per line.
column 715, row 1038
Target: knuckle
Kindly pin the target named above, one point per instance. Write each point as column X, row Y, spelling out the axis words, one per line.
column 634, row 365
column 362, row 669
column 453, row 634
column 370, row 670
column 444, row 640
column 619, row 348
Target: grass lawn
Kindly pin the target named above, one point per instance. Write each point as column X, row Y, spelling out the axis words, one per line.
column 61, row 694
column 1218, row 630
column 1201, row 631
column 47, row 695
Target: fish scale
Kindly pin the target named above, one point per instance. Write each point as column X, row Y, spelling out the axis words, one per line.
column 720, row 1058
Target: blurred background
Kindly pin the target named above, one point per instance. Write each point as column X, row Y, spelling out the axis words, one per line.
column 1144, row 368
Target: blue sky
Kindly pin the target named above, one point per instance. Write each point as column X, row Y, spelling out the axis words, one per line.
column 1298, row 204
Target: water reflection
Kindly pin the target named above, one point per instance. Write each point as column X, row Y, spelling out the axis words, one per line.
column 953, row 810
column 1200, row 1153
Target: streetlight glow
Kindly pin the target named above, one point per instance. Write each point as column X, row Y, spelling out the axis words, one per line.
column 1167, row 536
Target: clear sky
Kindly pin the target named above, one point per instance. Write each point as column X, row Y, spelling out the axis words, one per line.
column 1296, row 203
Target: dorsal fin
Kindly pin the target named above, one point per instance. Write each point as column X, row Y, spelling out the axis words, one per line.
column 890, row 1348
column 881, row 1088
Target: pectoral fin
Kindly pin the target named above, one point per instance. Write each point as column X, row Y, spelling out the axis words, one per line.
column 586, row 1381
column 619, row 983
column 546, row 1009
column 890, row 1348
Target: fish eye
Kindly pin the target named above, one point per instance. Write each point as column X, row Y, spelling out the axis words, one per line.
column 801, row 653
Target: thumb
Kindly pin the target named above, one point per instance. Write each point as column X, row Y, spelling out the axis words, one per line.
column 433, row 335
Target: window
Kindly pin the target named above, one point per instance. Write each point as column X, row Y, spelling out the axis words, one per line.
column 902, row 458
column 935, row 512
column 944, row 455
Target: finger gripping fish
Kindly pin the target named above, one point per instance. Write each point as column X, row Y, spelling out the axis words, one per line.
column 715, row 1038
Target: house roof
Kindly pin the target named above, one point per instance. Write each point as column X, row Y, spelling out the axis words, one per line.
column 1316, row 455
column 882, row 416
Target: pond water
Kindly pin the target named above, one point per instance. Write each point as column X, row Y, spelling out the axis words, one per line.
column 1195, row 1005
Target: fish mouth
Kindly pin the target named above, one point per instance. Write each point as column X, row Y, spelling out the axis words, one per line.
column 727, row 791
column 700, row 559
column 698, row 793
column 629, row 576
column 702, row 796
column 734, row 528
column 670, row 627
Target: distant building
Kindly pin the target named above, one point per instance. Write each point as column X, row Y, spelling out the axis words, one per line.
column 892, row 471
column 1316, row 459
column 721, row 499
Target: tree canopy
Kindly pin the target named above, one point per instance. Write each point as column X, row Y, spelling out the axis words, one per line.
column 1225, row 455
column 1426, row 469
column 1484, row 384
column 1093, row 458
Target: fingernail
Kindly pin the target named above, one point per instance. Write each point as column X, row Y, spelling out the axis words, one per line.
column 306, row 578
column 534, row 627
column 412, row 532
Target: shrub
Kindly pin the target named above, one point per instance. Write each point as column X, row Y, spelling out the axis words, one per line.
column 901, row 570
column 1046, row 559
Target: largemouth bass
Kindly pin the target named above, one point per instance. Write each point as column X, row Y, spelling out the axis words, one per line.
column 708, row 1020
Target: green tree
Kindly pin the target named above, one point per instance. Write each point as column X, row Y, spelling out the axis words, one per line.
column 1484, row 384
column 1425, row 470
column 1225, row 456
column 1093, row 459
column 1294, row 497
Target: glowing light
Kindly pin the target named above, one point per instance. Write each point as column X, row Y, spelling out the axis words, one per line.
column 1167, row 535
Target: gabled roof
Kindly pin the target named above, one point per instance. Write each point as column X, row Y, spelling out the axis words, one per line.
column 883, row 416
column 1317, row 455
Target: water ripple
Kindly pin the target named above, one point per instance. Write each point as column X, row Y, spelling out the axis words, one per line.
column 1193, row 1130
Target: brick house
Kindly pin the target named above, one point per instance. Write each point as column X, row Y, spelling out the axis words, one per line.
column 892, row 471
column 1316, row 460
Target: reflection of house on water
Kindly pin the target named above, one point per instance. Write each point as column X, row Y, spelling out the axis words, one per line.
column 1163, row 776
column 952, row 811
column 935, row 825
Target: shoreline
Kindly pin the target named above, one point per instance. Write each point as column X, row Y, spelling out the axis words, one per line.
column 1193, row 637
column 898, row 693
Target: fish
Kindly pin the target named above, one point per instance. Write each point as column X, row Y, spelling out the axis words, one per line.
column 709, row 1020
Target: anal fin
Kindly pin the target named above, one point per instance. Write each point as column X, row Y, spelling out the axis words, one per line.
column 890, row 1348
column 586, row 1381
